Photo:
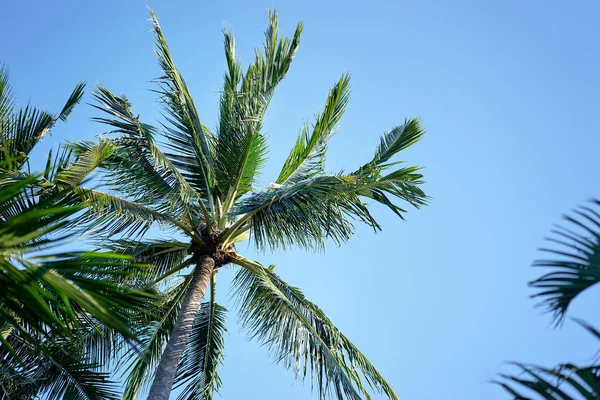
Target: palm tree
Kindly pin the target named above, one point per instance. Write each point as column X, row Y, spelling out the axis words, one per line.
column 51, row 300
column 576, row 270
column 203, row 184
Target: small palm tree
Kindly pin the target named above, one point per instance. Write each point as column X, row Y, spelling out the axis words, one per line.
column 50, row 301
column 576, row 270
column 204, row 185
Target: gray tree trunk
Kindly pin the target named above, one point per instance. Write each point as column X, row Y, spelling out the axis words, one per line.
column 167, row 366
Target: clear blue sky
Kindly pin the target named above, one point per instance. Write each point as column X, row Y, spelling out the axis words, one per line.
column 508, row 92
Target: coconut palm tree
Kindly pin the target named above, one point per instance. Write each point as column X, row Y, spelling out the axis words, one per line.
column 575, row 268
column 52, row 300
column 203, row 184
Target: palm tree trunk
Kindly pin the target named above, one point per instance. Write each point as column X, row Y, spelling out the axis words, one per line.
column 167, row 366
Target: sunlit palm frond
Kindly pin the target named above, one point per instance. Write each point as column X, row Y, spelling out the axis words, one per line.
column 302, row 215
column 189, row 138
column 301, row 337
column 22, row 129
column 241, row 146
column 74, row 173
column 138, row 167
column 114, row 215
column 163, row 256
column 72, row 101
column 308, row 155
column 398, row 139
column 7, row 102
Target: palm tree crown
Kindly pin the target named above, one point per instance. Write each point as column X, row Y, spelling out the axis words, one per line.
column 203, row 183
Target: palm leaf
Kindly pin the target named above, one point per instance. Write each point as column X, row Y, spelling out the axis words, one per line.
column 301, row 337
column 191, row 141
column 73, row 100
column 7, row 102
column 241, row 147
column 141, row 169
column 163, row 256
column 308, row 155
column 577, row 266
column 56, row 372
column 565, row 382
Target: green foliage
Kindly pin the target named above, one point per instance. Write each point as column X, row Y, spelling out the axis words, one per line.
column 51, row 302
column 575, row 269
column 203, row 185
column 301, row 337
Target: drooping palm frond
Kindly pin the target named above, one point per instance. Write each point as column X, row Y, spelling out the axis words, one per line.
column 192, row 143
column 55, row 371
column 303, row 214
column 203, row 353
column 578, row 265
column 308, row 155
column 301, row 337
column 314, row 209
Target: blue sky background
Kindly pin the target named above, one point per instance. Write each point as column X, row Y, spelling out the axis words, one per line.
column 508, row 92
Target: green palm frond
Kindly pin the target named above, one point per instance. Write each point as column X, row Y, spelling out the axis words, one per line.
column 27, row 127
column 308, row 155
column 163, row 256
column 22, row 129
column 565, row 382
column 7, row 103
column 197, row 370
column 192, row 143
column 303, row 214
column 312, row 210
column 301, row 337
column 577, row 266
column 72, row 101
column 241, row 147
column 75, row 172
column 115, row 215
column 398, row 139
column 55, row 372
column 141, row 169
column 45, row 292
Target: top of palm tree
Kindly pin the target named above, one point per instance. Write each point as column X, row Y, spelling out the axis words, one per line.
column 203, row 183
